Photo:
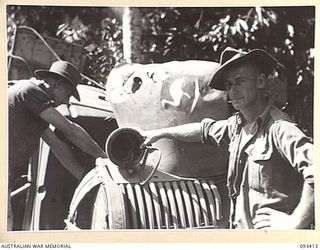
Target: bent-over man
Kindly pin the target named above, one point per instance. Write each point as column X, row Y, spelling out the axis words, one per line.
column 32, row 105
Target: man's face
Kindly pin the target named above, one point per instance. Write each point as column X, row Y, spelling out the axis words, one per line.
column 242, row 85
column 62, row 92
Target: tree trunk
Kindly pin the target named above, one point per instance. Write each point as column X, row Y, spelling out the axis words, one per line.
column 132, row 35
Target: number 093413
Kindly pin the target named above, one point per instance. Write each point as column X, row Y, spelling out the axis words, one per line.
column 308, row 246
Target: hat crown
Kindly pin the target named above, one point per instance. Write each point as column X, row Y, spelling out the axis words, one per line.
column 230, row 54
column 66, row 70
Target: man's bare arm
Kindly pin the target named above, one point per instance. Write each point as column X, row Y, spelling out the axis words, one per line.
column 302, row 216
column 190, row 132
column 64, row 153
column 75, row 133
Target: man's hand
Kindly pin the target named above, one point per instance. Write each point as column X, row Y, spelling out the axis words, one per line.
column 150, row 136
column 268, row 218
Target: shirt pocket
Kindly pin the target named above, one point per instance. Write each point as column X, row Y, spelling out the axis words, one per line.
column 260, row 167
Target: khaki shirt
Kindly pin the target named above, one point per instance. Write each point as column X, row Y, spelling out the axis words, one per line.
column 269, row 169
column 26, row 100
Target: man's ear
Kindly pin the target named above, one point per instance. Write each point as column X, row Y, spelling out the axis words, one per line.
column 57, row 82
column 261, row 80
column 52, row 81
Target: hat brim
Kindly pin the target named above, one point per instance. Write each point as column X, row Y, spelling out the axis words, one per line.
column 41, row 73
column 257, row 56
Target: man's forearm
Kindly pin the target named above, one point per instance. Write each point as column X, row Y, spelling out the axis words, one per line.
column 190, row 132
column 76, row 134
column 83, row 140
column 66, row 157
column 64, row 154
column 303, row 215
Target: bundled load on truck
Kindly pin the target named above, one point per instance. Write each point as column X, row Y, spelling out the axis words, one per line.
column 188, row 187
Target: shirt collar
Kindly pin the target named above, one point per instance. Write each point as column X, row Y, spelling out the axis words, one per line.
column 261, row 119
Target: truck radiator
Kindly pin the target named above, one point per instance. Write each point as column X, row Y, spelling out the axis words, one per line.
column 156, row 205
column 172, row 205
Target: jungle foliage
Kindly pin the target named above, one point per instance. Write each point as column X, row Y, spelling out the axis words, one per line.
column 183, row 33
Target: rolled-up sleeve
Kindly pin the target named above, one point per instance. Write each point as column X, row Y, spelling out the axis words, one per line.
column 297, row 148
column 34, row 99
column 214, row 132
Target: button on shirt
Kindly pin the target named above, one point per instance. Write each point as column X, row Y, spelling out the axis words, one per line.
column 266, row 168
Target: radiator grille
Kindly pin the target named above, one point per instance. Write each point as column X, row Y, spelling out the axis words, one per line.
column 172, row 205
